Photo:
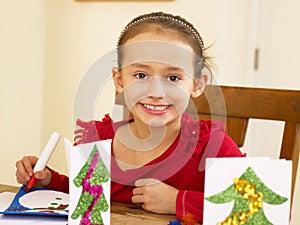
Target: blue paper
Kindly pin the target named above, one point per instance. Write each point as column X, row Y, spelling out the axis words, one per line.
column 16, row 208
column 175, row 222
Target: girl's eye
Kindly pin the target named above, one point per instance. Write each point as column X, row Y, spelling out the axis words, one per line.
column 140, row 76
column 174, row 78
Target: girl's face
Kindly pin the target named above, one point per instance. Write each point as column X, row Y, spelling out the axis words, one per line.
column 157, row 89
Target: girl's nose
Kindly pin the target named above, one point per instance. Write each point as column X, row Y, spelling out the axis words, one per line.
column 156, row 88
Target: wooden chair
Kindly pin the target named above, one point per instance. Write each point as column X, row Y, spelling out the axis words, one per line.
column 236, row 105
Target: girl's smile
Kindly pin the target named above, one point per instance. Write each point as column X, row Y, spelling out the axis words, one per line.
column 156, row 109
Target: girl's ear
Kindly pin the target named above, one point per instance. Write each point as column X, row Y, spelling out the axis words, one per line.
column 199, row 86
column 117, row 77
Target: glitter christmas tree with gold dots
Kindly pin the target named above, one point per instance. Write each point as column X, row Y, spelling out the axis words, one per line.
column 248, row 193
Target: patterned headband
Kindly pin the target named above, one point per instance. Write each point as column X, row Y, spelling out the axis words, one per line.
column 163, row 17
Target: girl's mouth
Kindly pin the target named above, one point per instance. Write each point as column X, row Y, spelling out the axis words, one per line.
column 156, row 109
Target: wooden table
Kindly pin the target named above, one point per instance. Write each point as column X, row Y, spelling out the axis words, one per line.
column 121, row 214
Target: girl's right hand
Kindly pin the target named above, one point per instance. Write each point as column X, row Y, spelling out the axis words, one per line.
column 25, row 171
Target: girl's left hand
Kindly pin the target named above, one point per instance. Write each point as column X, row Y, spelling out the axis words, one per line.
column 155, row 196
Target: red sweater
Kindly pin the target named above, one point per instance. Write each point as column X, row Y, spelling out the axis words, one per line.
column 181, row 165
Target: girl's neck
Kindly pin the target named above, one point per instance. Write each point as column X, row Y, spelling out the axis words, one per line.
column 141, row 137
column 143, row 131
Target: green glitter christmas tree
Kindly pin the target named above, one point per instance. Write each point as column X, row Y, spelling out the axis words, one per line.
column 248, row 193
column 92, row 200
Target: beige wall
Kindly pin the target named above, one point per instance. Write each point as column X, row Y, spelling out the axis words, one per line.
column 22, row 27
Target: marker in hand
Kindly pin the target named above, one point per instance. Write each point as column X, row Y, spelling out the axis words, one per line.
column 43, row 159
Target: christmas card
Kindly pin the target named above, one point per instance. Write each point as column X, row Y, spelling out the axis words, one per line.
column 89, row 183
column 247, row 191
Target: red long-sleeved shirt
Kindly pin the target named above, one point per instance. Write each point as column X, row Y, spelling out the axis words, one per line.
column 181, row 165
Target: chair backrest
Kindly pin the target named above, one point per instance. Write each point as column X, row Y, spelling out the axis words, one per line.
column 236, row 105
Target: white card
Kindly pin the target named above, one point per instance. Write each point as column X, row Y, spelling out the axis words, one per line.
column 90, row 190
column 267, row 200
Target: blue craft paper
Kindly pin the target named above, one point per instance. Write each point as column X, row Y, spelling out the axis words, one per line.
column 16, row 208
column 175, row 222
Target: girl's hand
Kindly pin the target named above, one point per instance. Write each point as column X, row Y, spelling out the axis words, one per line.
column 25, row 171
column 155, row 196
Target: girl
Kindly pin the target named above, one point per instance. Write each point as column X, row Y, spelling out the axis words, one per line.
column 158, row 153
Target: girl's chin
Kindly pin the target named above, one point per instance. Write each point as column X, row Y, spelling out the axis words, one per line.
column 151, row 122
column 157, row 122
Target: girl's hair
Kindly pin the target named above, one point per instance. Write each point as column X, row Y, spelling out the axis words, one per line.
column 165, row 22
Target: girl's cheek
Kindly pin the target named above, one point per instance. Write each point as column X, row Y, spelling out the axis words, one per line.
column 133, row 93
column 180, row 100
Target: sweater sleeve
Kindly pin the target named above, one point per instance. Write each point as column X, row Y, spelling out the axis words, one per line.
column 59, row 182
column 190, row 202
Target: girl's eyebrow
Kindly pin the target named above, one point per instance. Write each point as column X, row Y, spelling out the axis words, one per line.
column 140, row 65
column 145, row 66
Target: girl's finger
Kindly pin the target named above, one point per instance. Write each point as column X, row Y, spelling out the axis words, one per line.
column 21, row 171
column 29, row 163
column 137, row 199
column 147, row 181
column 22, row 179
column 138, row 191
column 41, row 175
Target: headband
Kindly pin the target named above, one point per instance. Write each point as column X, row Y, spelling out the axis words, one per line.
column 164, row 17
